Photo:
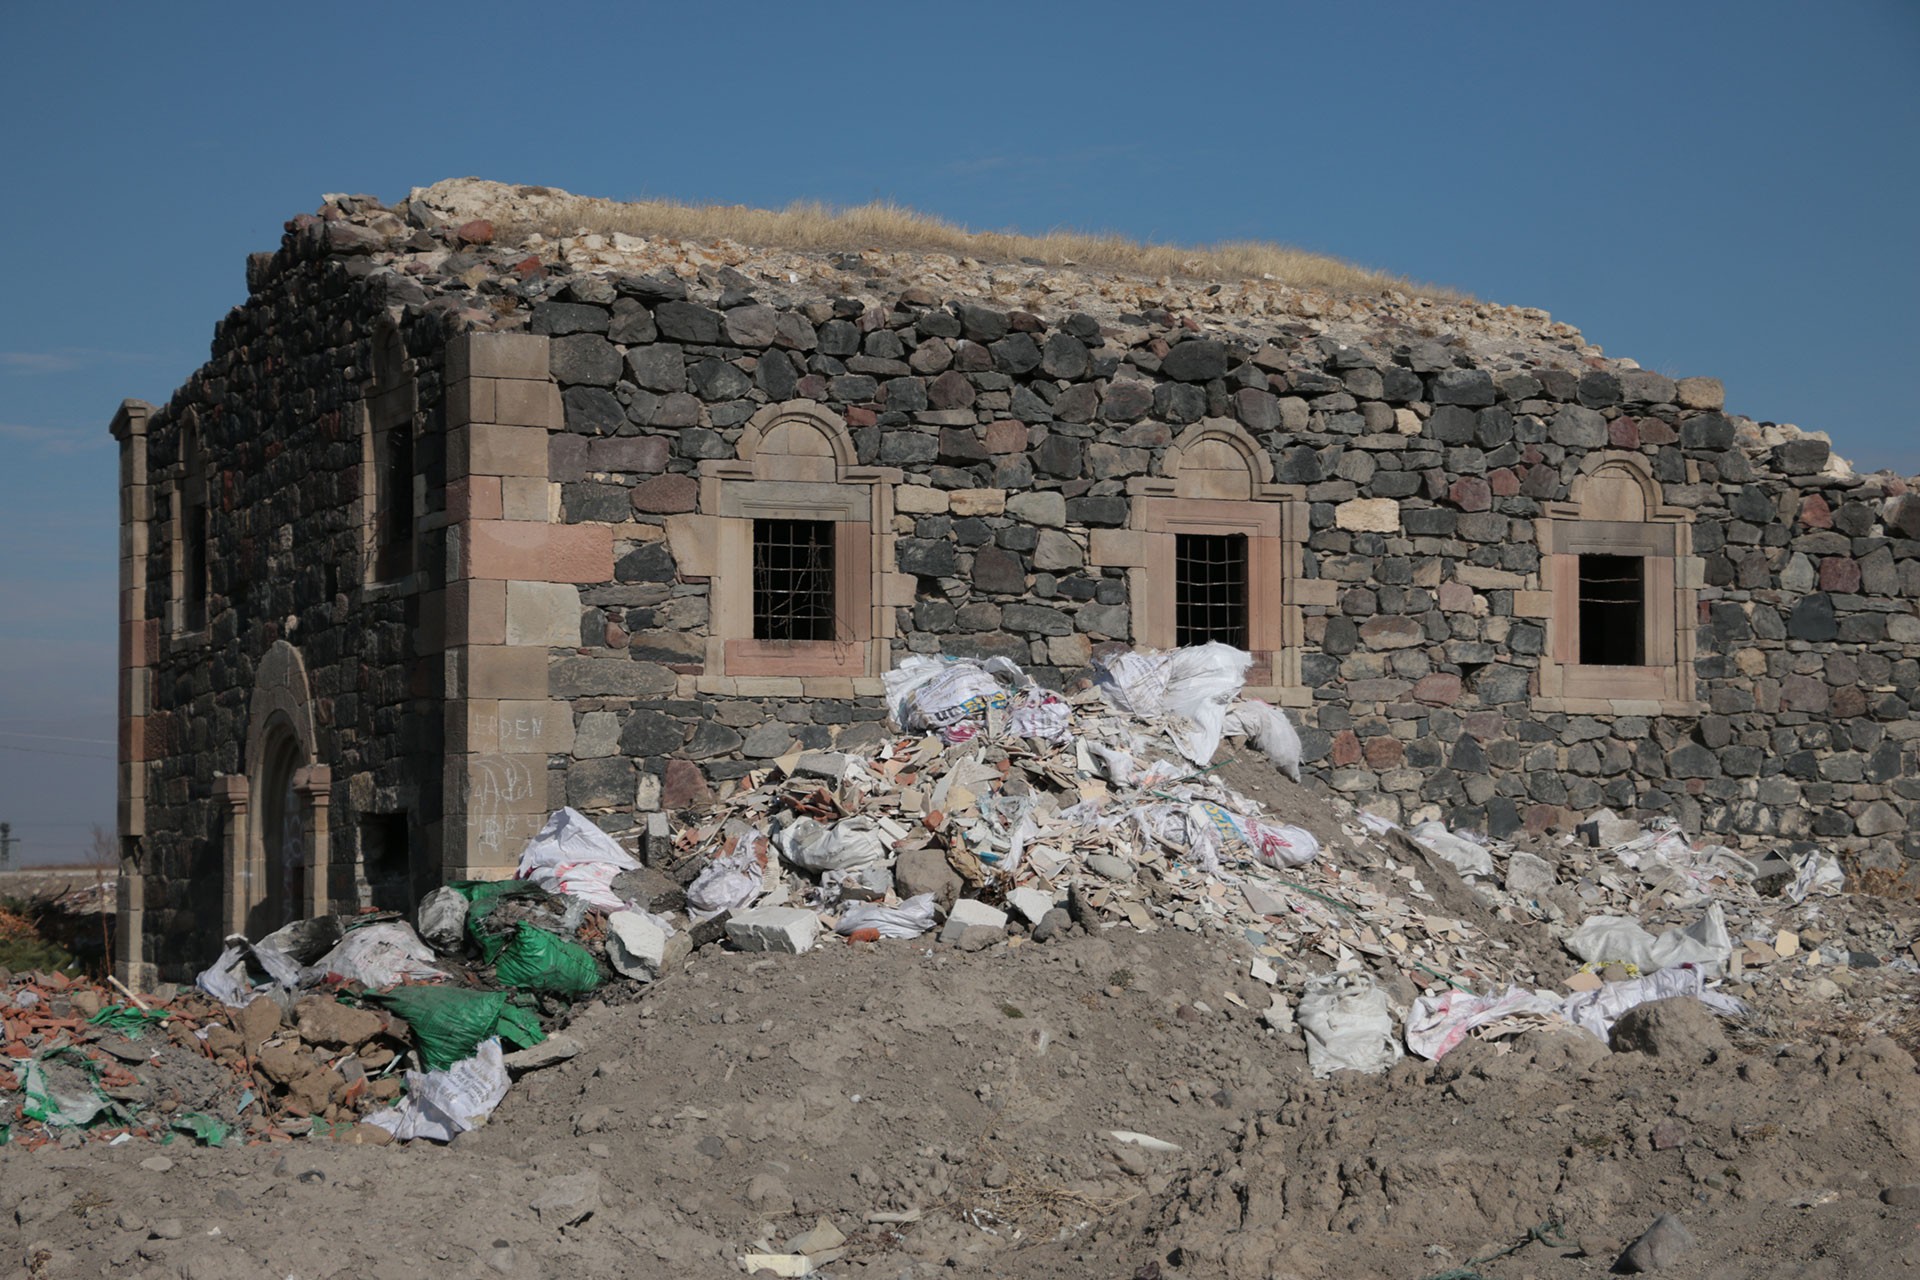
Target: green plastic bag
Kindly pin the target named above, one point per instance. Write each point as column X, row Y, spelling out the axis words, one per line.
column 536, row 960
column 450, row 1022
column 482, row 897
column 127, row 1020
column 206, row 1130
column 61, row 1089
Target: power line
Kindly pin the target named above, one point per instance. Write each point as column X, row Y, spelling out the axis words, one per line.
column 54, row 737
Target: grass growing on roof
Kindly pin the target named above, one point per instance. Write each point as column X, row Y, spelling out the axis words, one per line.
column 883, row 224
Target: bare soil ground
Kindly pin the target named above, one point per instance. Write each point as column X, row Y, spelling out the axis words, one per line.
column 728, row 1109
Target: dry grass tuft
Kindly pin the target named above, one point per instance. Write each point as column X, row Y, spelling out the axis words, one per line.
column 888, row 226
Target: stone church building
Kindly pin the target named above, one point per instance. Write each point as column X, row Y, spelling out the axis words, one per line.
column 455, row 527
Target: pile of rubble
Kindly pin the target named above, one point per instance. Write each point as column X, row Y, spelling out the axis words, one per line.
column 89, row 1063
column 1003, row 814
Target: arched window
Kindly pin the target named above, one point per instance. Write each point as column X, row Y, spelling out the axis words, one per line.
column 798, row 545
column 388, row 504
column 1617, row 565
column 1214, row 550
column 188, row 569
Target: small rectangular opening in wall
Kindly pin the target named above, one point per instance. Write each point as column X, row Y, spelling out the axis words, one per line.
column 386, row 862
column 1613, row 611
column 194, row 564
column 1210, row 588
column 793, row 580
column 393, row 490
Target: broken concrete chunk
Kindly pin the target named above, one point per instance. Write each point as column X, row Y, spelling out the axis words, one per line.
column 1605, row 829
column 1110, row 866
column 830, row 765
column 921, row 871
column 1031, row 904
column 817, row 1239
column 640, row 949
column 789, row 930
column 973, row 925
column 1528, row 876
column 551, row 1052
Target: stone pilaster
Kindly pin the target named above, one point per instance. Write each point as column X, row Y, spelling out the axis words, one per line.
column 130, row 952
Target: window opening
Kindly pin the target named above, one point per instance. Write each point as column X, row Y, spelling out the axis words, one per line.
column 793, row 580
column 1613, row 611
column 1210, row 589
column 386, row 860
column 393, row 503
column 194, row 560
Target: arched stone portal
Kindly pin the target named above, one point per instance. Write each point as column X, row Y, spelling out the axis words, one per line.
column 277, row 863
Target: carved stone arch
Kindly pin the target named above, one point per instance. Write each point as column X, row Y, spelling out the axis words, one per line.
column 1217, row 458
column 795, row 461
column 1614, row 534
column 1616, row 486
column 276, row 864
column 797, row 440
column 1215, row 480
column 280, row 689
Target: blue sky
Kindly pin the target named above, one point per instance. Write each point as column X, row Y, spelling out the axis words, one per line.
column 1724, row 189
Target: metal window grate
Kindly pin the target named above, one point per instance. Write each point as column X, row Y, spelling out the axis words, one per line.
column 1210, row 588
column 1613, row 611
column 793, row 580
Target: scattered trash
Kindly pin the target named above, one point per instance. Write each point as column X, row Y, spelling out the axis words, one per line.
column 1145, row 1141
column 570, row 855
column 1348, row 1025
column 442, row 1104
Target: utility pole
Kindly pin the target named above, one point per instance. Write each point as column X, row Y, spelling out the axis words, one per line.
column 6, row 844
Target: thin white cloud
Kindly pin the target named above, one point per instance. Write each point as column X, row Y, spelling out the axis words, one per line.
column 54, row 440
column 67, row 359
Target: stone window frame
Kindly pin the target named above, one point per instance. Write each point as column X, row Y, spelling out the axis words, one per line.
column 796, row 461
column 1216, row 479
column 389, row 404
column 187, row 493
column 1614, row 507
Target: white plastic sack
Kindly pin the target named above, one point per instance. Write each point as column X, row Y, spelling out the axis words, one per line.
column 440, row 1105
column 1463, row 855
column 1704, row 943
column 1439, row 1022
column 910, row 919
column 442, row 918
column 1270, row 730
column 1817, row 871
column 1134, row 681
column 230, row 979
column 1597, row 1011
column 732, row 881
column 1201, row 683
column 570, row 855
column 848, row 843
column 226, row 979
column 378, row 955
column 1348, row 1025
column 947, row 695
column 1279, row 844
column 1040, row 713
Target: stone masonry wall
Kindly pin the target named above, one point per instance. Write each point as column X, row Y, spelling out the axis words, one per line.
column 563, row 417
column 1424, row 606
column 275, row 413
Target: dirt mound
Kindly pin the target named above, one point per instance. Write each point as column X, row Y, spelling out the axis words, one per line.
column 954, row 1114
column 1776, row 1156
